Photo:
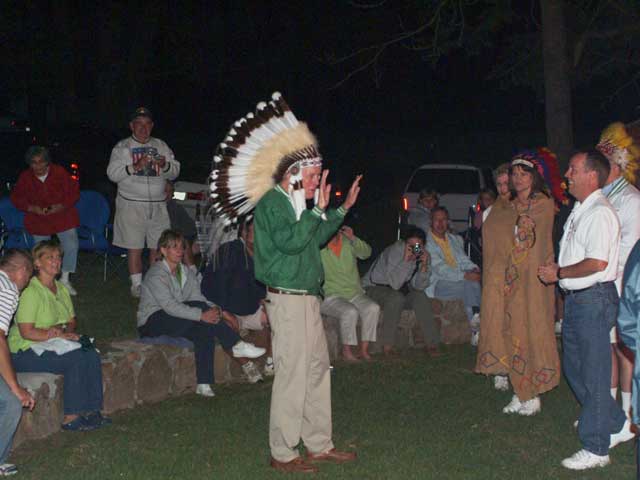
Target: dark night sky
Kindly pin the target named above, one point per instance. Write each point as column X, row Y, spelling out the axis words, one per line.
column 211, row 62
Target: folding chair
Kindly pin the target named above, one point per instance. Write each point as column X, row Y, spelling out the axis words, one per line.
column 14, row 234
column 93, row 232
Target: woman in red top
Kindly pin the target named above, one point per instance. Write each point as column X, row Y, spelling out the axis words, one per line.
column 47, row 194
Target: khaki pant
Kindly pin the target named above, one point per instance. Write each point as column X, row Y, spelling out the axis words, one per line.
column 348, row 313
column 301, row 394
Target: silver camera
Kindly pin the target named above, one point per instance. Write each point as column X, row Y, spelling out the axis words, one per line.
column 417, row 250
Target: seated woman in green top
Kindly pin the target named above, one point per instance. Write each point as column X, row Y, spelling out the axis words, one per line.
column 45, row 312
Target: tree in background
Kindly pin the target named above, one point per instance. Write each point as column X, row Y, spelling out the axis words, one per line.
column 554, row 47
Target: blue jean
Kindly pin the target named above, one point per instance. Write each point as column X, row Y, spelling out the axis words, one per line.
column 588, row 317
column 82, row 376
column 467, row 290
column 69, row 243
column 10, row 413
column 203, row 335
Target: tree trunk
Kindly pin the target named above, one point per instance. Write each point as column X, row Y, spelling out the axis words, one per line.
column 557, row 83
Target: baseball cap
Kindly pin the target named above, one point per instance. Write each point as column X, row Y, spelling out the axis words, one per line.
column 141, row 112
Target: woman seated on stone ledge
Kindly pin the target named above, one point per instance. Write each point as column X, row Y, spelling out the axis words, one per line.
column 45, row 312
column 171, row 304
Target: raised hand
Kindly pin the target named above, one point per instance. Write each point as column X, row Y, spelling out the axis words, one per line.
column 352, row 196
column 325, row 191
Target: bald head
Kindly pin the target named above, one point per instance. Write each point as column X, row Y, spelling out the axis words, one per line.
column 18, row 266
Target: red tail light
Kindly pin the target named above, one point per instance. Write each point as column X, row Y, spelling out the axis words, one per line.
column 405, row 204
column 195, row 196
column 74, row 166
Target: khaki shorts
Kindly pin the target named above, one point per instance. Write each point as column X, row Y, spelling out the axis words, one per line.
column 138, row 222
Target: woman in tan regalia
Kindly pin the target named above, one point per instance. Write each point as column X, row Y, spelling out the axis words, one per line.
column 517, row 338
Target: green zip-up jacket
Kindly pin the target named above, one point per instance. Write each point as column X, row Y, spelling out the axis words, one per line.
column 286, row 251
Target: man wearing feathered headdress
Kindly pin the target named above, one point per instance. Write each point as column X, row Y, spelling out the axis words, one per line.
column 270, row 161
column 617, row 145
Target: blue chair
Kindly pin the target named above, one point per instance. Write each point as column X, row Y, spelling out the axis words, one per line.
column 14, row 234
column 93, row 232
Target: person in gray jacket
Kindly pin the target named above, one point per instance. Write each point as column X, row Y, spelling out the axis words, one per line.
column 140, row 165
column 171, row 304
column 397, row 280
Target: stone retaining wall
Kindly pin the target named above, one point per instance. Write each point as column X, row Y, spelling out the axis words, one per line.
column 134, row 373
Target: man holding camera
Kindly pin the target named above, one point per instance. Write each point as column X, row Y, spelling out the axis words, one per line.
column 140, row 165
column 397, row 280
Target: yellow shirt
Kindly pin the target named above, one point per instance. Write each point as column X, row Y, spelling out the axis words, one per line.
column 443, row 243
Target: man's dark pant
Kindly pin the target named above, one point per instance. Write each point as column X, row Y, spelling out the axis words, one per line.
column 392, row 302
column 588, row 318
column 202, row 335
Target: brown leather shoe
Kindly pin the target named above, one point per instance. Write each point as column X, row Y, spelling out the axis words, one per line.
column 332, row 455
column 297, row 465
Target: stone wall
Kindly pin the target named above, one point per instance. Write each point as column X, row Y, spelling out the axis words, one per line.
column 134, row 373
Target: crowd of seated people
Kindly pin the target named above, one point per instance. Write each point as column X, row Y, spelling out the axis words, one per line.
column 512, row 288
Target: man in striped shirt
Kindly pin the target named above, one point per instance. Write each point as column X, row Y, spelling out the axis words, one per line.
column 15, row 271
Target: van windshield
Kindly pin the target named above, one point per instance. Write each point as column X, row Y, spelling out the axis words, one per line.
column 446, row 180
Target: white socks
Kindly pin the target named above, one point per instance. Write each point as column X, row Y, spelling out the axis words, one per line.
column 626, row 401
column 614, row 392
column 136, row 279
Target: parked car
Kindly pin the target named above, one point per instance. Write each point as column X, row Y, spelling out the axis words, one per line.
column 457, row 185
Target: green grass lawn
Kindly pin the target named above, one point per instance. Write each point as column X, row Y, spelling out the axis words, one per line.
column 409, row 418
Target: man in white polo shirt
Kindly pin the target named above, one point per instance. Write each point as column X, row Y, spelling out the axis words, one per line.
column 586, row 269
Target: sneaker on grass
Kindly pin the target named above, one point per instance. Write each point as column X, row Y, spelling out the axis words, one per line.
column 247, row 350
column 269, row 369
column 513, row 406
column 530, row 407
column 501, row 382
column 136, row 291
column 205, row 390
column 584, row 459
column 7, row 469
column 624, row 435
column 252, row 372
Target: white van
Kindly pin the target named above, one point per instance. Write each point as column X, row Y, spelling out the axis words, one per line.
column 457, row 185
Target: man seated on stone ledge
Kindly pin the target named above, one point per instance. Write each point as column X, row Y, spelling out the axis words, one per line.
column 344, row 296
column 229, row 281
column 453, row 274
column 397, row 280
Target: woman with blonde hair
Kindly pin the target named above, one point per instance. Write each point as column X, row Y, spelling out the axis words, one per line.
column 46, row 312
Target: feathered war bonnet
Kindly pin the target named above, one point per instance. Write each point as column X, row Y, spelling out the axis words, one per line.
column 618, row 146
column 256, row 154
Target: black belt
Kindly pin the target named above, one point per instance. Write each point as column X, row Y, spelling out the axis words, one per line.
column 285, row 292
column 579, row 290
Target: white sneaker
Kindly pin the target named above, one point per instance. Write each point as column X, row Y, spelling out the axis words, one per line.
column 205, row 390
column 67, row 284
column 475, row 338
column 530, row 407
column 7, row 469
column 513, row 406
column 252, row 373
column 501, row 382
column 247, row 350
column 576, row 423
column 136, row 290
column 584, row 459
column 624, row 435
column 269, row 368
